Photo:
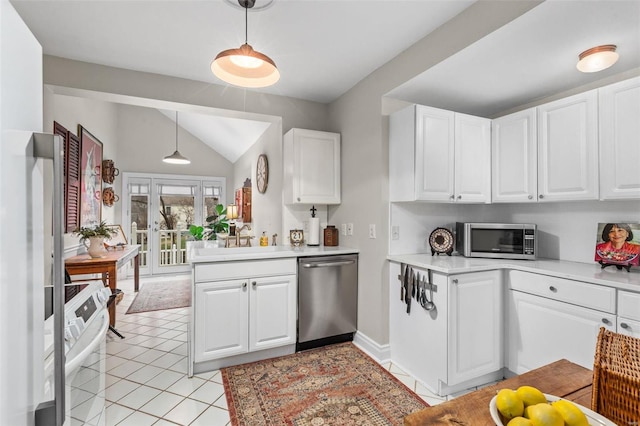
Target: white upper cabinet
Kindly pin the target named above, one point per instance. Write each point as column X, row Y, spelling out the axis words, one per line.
column 434, row 154
column 472, row 159
column 619, row 108
column 514, row 158
column 568, row 148
column 311, row 167
column 439, row 155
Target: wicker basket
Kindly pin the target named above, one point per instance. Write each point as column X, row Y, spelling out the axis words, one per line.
column 616, row 378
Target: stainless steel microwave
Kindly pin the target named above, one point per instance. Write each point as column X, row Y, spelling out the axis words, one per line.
column 497, row 240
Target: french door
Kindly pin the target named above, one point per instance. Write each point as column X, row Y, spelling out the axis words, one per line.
column 159, row 210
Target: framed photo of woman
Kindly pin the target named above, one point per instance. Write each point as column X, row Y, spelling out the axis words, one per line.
column 90, row 178
column 618, row 244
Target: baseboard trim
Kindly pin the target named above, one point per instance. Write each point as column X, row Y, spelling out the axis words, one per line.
column 381, row 353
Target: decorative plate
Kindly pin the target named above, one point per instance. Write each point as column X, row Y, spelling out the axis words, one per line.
column 441, row 241
column 594, row 418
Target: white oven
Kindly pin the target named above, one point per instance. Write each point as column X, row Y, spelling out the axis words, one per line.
column 86, row 321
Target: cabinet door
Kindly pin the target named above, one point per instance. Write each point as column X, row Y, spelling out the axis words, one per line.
column 315, row 174
column 514, row 158
column 472, row 161
column 273, row 312
column 568, row 148
column 434, row 159
column 542, row 330
column 619, row 107
column 221, row 312
column 475, row 325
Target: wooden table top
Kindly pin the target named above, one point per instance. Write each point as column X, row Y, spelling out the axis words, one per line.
column 561, row 378
column 111, row 256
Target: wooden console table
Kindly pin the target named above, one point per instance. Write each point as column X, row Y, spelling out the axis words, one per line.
column 107, row 266
column 561, row 378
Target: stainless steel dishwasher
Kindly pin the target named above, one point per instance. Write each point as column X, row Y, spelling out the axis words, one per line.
column 327, row 300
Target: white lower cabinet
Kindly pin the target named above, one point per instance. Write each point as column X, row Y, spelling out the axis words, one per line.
column 458, row 344
column 242, row 315
column 475, row 330
column 542, row 330
column 629, row 313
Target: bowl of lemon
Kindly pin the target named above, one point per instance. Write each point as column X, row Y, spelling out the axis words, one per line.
column 528, row 406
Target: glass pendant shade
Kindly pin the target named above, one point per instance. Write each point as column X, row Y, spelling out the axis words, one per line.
column 176, row 157
column 245, row 67
column 597, row 58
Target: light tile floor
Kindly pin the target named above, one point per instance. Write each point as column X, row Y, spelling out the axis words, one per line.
column 147, row 380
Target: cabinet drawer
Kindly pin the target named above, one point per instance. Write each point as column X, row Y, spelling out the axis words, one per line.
column 244, row 269
column 576, row 292
column 629, row 327
column 629, row 305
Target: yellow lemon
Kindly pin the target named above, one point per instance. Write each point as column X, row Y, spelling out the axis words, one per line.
column 519, row 421
column 530, row 395
column 572, row 415
column 508, row 404
column 544, row 415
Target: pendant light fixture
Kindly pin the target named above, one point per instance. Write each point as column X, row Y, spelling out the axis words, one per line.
column 244, row 66
column 176, row 157
column 597, row 58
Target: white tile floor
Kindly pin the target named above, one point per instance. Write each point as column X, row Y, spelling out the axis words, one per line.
column 146, row 372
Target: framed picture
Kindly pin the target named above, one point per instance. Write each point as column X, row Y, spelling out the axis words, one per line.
column 118, row 239
column 618, row 244
column 90, row 178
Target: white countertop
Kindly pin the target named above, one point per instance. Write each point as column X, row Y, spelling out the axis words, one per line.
column 220, row 254
column 591, row 273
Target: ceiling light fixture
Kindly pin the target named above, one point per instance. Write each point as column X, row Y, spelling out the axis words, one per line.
column 176, row 157
column 597, row 58
column 244, row 66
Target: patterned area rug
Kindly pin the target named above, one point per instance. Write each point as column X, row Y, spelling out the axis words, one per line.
column 162, row 295
column 334, row 385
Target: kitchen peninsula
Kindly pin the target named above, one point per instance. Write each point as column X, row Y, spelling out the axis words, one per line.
column 493, row 316
column 245, row 303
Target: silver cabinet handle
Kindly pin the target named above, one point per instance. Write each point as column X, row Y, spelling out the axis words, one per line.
column 606, row 321
column 254, row 284
column 541, row 196
column 624, row 325
column 459, row 197
column 455, row 281
column 328, row 264
column 553, row 289
column 452, row 197
column 530, row 197
column 244, row 285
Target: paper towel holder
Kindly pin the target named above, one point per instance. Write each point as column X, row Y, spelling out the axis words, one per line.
column 314, row 229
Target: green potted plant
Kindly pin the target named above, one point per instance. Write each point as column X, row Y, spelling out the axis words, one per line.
column 218, row 222
column 96, row 236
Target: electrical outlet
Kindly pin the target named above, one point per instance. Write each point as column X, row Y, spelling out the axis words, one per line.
column 343, row 228
column 349, row 228
column 395, row 232
column 372, row 230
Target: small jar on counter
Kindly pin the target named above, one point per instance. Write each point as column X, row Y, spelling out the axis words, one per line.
column 264, row 240
column 330, row 236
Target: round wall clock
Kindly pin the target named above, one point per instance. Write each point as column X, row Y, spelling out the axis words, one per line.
column 441, row 241
column 262, row 173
